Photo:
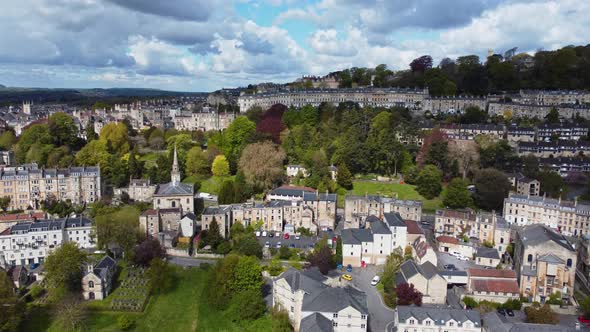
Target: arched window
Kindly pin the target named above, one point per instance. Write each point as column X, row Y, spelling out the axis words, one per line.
column 569, row 262
column 530, row 258
column 91, row 284
column 173, row 204
column 158, row 201
column 501, row 240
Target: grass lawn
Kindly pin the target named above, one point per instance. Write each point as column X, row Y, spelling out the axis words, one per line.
column 211, row 185
column 401, row 191
column 150, row 159
column 184, row 308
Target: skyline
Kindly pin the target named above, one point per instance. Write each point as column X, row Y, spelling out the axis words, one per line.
column 199, row 45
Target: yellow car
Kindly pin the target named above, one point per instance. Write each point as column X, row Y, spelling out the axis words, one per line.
column 347, row 277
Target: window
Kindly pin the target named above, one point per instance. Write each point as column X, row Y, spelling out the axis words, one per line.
column 91, row 284
column 411, row 322
column 335, row 324
column 451, row 324
column 569, row 262
column 427, row 323
column 362, row 326
column 363, row 317
column 335, row 316
column 529, row 258
column 292, row 309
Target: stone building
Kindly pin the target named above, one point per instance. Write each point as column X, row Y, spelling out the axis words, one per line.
column 545, row 262
column 358, row 208
column 175, row 194
column 97, row 281
column 426, row 280
column 492, row 285
column 28, row 186
column 428, row 319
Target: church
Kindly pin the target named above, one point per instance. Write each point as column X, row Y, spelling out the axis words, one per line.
column 175, row 194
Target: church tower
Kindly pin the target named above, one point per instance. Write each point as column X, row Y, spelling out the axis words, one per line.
column 175, row 174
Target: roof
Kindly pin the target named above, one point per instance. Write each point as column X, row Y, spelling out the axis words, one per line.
column 487, row 253
column 421, row 247
column 413, row 227
column 334, row 299
column 303, row 280
column 394, row 219
column 499, row 286
column 377, row 226
column 315, row 322
column 536, row 234
column 458, row 214
column 485, row 273
column 439, row 315
column 356, row 236
column 409, row 268
column 447, row 239
column 307, row 196
column 22, row 216
column 291, row 191
column 550, row 258
column 174, row 189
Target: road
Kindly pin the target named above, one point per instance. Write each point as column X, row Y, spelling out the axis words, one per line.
column 189, row 261
column 380, row 316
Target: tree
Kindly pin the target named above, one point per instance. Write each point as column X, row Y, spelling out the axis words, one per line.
column 262, row 164
column 457, row 195
column 284, row 253
column 115, row 135
column 7, row 140
column 280, row 321
column 552, row 116
column 147, row 251
column 124, row 322
column 552, row 183
column 421, row 64
column 465, row 153
column 117, row 227
column 220, row 166
column 35, row 134
column 214, row 237
column 338, row 257
column 134, row 166
column 322, row 257
column 12, row 309
column 5, row 202
column 407, row 295
column 247, row 245
column 236, row 136
column 94, row 153
column 63, row 267
column 70, row 313
column 538, row 314
column 160, row 275
column 247, row 275
column 246, row 306
column 226, row 193
column 429, row 182
column 474, row 114
column 344, row 177
column 531, row 166
column 89, row 131
column 62, row 129
column 585, row 305
column 60, row 158
column 197, row 163
column 491, row 187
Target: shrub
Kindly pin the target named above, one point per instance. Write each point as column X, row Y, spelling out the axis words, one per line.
column 555, row 298
column 538, row 314
column 124, row 322
column 284, row 253
column 275, row 268
column 36, row 291
column 390, row 299
column 512, row 304
column 470, row 302
column 223, row 248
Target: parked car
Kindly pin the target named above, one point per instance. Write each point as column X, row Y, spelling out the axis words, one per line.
column 34, row 266
column 581, row 319
column 462, row 258
column 286, row 236
column 347, row 277
column 278, row 234
column 264, row 233
column 267, row 244
column 292, row 245
column 375, row 280
column 297, row 237
column 450, row 267
column 279, row 244
column 510, row 312
column 270, row 234
column 258, row 234
column 502, row 312
column 349, row 268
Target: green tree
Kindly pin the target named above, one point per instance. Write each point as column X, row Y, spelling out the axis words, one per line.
column 538, row 314
column 5, row 202
column 344, row 177
column 220, row 166
column 7, row 140
column 117, row 227
column 474, row 114
column 491, row 186
column 236, row 136
column 226, row 193
column 247, row 244
column 90, row 133
column 161, row 276
column 262, row 164
column 63, row 267
column 457, row 195
column 116, row 137
column 247, row 275
column 70, row 313
column 214, row 237
column 552, row 116
column 94, row 153
column 12, row 309
column 284, row 253
column 246, row 306
column 197, row 163
column 338, row 257
column 62, row 129
column 35, row 134
column 552, row 183
column 429, row 182
column 60, row 157
column 134, row 166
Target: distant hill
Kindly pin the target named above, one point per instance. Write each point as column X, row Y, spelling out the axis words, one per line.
column 10, row 95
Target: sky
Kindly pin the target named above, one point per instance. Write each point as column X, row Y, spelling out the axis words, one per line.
column 204, row 45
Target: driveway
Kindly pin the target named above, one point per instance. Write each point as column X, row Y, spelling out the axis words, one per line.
column 446, row 258
column 379, row 315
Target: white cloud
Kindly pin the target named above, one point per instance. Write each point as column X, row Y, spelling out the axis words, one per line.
column 155, row 57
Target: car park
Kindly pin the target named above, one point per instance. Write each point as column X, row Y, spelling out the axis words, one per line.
column 347, row 277
column 375, row 280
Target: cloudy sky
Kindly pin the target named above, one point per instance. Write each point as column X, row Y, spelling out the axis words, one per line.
column 203, row 45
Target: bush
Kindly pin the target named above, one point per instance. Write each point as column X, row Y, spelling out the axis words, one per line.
column 223, row 248
column 470, row 302
column 390, row 299
column 512, row 304
column 36, row 291
column 284, row 253
column 538, row 314
column 275, row 268
column 555, row 298
column 246, row 305
column 124, row 322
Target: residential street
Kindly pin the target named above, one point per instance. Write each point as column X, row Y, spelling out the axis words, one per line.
column 380, row 316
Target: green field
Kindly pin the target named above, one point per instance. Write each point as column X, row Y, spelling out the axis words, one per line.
column 211, row 185
column 184, row 308
column 149, row 159
column 401, row 191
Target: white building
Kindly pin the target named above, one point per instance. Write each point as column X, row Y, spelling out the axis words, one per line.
column 422, row 319
column 30, row 242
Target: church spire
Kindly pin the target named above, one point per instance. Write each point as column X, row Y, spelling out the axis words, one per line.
column 175, row 174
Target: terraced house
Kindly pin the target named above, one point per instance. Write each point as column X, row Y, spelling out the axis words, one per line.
column 358, row 208
column 422, row 319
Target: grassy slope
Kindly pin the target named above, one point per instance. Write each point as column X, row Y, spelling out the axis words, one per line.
column 403, row 191
column 210, row 185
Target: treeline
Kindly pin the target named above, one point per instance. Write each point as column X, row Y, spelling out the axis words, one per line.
column 565, row 68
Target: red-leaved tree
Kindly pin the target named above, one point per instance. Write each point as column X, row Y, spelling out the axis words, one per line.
column 436, row 135
column 407, row 294
column 271, row 122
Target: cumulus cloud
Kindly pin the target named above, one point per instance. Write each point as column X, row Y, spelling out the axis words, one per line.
column 197, row 10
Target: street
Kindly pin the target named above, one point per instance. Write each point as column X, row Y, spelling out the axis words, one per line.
column 380, row 316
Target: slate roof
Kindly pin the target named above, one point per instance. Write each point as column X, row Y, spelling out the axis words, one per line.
column 48, row 224
column 356, row 236
column 440, row 316
column 315, row 322
column 334, row 299
column 291, row 191
column 303, row 280
column 487, row 253
column 536, row 234
column 175, row 189
column 394, row 220
column 409, row 268
column 377, row 226
column 307, row 196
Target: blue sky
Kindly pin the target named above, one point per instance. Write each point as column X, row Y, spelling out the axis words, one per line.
column 203, row 45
